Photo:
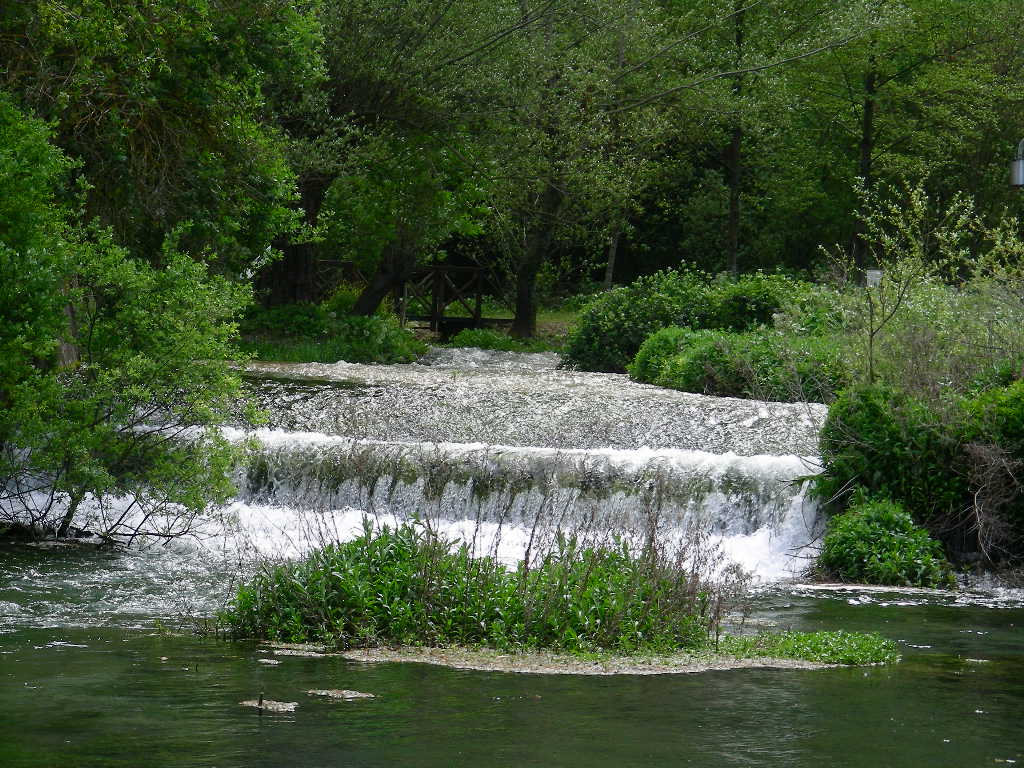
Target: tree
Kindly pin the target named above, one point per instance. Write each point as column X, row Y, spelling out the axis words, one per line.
column 908, row 100
column 393, row 74
column 132, row 416
column 163, row 104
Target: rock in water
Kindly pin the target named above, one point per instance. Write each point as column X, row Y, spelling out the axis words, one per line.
column 342, row 694
column 269, row 705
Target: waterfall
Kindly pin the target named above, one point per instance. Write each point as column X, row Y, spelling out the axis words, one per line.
column 755, row 505
column 494, row 444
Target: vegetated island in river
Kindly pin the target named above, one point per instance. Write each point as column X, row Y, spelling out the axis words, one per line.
column 408, row 594
column 543, row 662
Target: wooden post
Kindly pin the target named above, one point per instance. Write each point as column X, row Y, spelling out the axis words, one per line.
column 437, row 300
column 478, row 285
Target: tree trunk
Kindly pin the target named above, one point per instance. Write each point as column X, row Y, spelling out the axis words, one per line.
column 396, row 266
column 293, row 277
column 68, row 353
column 867, row 148
column 735, row 170
column 536, row 246
column 613, row 250
column 734, row 154
column 69, row 515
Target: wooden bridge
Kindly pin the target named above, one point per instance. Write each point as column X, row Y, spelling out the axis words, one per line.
column 431, row 291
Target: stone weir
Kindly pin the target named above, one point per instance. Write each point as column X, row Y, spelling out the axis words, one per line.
column 471, row 396
column 511, row 440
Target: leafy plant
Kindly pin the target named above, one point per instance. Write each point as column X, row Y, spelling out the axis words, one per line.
column 113, row 372
column 892, row 445
column 611, row 328
column 409, row 585
column 486, row 338
column 839, row 647
column 876, row 542
column 294, row 320
column 658, row 349
column 354, row 339
column 750, row 300
column 760, row 363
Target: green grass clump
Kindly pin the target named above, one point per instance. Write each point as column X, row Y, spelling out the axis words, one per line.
column 876, row 542
column 409, row 586
column 488, row 338
column 838, row 647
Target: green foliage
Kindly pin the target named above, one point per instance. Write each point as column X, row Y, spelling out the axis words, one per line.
column 408, row 585
column 750, row 300
column 33, row 256
column 877, row 542
column 993, row 438
column 376, row 339
column 657, row 350
column 342, row 299
column 761, row 364
column 298, row 320
column 894, row 446
column 612, row 328
column 144, row 358
column 303, row 333
column 997, row 416
column 487, row 338
column 953, row 466
column 839, row 647
column 163, row 106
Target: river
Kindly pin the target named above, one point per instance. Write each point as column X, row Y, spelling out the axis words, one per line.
column 98, row 668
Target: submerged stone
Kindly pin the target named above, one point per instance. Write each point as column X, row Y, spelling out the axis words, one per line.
column 341, row 694
column 269, row 705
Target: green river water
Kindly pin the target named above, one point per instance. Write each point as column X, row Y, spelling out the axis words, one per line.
column 86, row 680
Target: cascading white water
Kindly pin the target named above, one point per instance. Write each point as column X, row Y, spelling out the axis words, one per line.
column 481, row 440
column 755, row 505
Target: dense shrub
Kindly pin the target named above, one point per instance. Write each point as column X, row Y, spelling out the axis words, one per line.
column 296, row 320
column 711, row 363
column 376, row 339
column 749, row 300
column 877, row 542
column 894, row 446
column 997, row 416
column 407, row 585
column 955, row 467
column 812, row 310
column 612, row 327
column 354, row 339
column 993, row 446
column 486, row 338
column 342, row 299
column 761, row 364
column 656, row 350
